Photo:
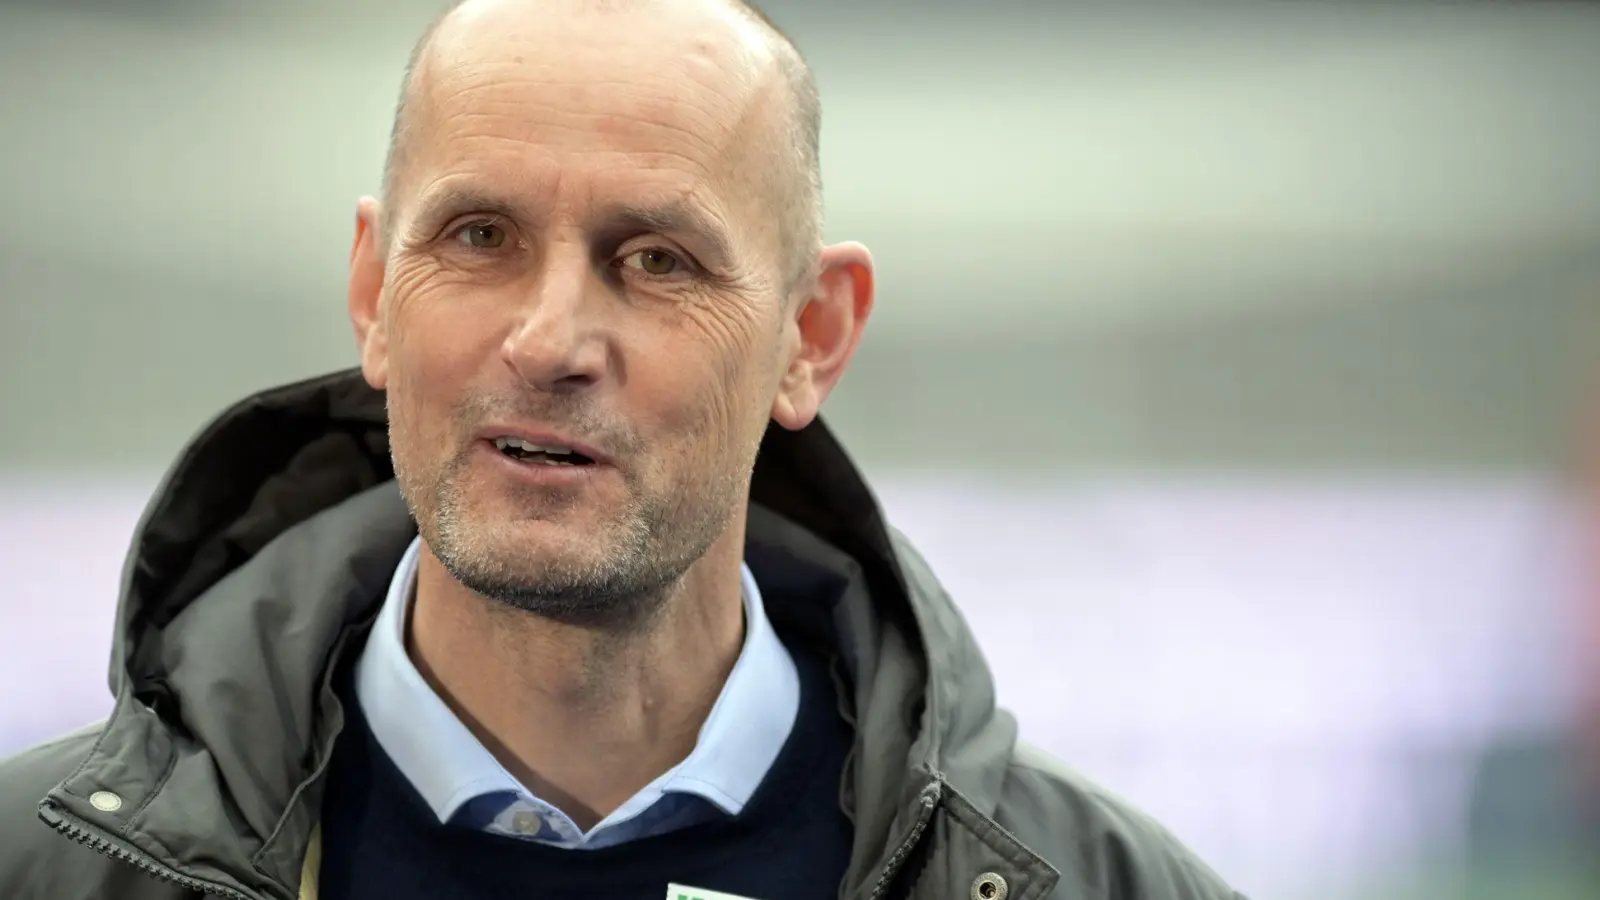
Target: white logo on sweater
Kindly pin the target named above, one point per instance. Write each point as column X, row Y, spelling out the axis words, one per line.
column 685, row 892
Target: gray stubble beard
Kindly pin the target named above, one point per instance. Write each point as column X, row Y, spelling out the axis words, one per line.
column 622, row 593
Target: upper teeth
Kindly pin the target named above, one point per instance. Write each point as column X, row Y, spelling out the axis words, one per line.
column 529, row 446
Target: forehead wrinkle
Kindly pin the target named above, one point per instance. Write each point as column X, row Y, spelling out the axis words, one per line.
column 645, row 98
column 459, row 185
column 701, row 140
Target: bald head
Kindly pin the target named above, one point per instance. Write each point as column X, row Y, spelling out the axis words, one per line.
column 781, row 134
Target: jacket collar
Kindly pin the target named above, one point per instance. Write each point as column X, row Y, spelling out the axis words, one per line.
column 283, row 498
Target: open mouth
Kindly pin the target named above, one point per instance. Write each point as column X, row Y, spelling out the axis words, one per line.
column 540, row 455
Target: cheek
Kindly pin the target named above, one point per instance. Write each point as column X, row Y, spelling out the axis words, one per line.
column 735, row 343
column 439, row 334
column 437, row 319
column 414, row 429
column 711, row 383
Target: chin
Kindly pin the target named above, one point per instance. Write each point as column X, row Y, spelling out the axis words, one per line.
column 558, row 574
column 530, row 543
column 520, row 553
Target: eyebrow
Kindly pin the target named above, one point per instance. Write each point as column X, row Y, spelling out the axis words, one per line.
column 675, row 217
column 615, row 224
column 440, row 206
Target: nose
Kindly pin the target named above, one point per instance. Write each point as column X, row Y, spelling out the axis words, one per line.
column 557, row 344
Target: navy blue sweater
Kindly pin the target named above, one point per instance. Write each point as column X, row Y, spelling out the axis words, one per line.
column 791, row 842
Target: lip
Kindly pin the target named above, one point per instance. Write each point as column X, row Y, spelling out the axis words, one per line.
column 487, row 435
column 563, row 477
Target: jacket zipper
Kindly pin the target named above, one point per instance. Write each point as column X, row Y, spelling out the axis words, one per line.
column 926, row 801
column 91, row 837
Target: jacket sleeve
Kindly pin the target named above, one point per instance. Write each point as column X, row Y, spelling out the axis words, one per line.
column 1103, row 846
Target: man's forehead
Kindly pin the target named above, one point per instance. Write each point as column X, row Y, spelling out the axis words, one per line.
column 553, row 103
column 579, row 41
column 549, row 159
column 676, row 78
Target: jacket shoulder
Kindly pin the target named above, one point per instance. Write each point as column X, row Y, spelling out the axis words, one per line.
column 27, row 776
column 1104, row 846
column 36, row 862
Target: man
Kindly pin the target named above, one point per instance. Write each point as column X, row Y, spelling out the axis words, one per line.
column 516, row 609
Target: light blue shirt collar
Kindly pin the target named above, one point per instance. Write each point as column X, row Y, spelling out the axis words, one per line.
column 449, row 767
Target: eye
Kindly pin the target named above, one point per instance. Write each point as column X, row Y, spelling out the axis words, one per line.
column 482, row 235
column 654, row 262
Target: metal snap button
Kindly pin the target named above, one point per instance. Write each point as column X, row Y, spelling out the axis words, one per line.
column 990, row 886
column 105, row 801
column 526, row 822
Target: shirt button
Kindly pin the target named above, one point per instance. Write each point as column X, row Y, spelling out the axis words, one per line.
column 527, row 823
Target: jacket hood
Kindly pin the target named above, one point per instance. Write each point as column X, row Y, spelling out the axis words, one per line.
column 283, row 498
column 282, row 456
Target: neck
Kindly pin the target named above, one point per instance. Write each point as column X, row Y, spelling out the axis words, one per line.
column 584, row 718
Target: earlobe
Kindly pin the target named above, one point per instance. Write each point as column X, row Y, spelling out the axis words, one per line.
column 783, row 412
column 365, row 293
column 796, row 404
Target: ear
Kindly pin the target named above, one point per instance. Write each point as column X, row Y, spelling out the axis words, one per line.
column 366, row 289
column 828, row 326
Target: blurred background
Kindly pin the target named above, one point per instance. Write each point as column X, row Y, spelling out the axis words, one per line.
column 1232, row 363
